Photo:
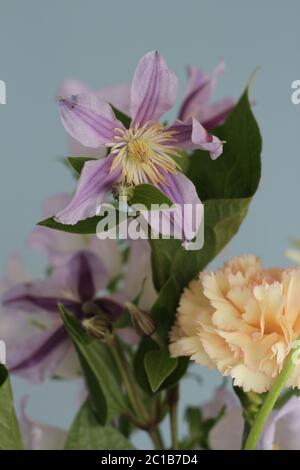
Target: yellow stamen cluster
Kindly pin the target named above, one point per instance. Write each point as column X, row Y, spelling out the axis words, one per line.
column 144, row 154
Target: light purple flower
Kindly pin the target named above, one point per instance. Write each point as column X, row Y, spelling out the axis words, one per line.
column 199, row 91
column 141, row 154
column 282, row 430
column 42, row 347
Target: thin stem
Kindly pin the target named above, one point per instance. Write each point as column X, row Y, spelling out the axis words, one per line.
column 270, row 401
column 132, row 390
column 128, row 380
column 173, row 402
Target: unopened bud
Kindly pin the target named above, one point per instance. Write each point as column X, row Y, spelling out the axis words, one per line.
column 142, row 321
column 97, row 326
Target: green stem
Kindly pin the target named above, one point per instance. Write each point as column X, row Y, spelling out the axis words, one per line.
column 127, row 378
column 270, row 400
column 173, row 402
column 131, row 388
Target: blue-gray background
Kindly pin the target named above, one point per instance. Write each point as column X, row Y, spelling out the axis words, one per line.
column 100, row 42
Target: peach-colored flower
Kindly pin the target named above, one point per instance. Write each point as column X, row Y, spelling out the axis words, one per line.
column 242, row 320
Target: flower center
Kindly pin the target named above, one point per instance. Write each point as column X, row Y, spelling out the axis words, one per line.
column 138, row 150
column 144, row 154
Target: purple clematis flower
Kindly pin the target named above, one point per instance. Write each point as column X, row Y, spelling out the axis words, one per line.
column 75, row 284
column 196, row 103
column 141, row 154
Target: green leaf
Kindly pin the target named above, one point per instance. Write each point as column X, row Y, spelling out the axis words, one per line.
column 10, row 435
column 222, row 219
column 162, row 253
column 165, row 306
column 77, row 163
column 87, row 434
column 145, row 346
column 125, row 120
column 158, row 365
column 180, row 370
column 98, row 368
column 147, row 195
column 83, row 227
column 236, row 173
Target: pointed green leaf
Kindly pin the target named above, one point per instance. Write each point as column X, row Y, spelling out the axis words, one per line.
column 83, row 227
column 158, row 365
column 148, row 195
column 125, row 120
column 98, row 368
column 87, row 434
column 10, row 435
column 146, row 345
column 77, row 163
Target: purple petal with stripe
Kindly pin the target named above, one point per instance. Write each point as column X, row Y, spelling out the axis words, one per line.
column 33, row 297
column 153, row 90
column 215, row 114
column 37, row 357
column 193, row 135
column 82, row 276
column 88, row 119
column 183, row 219
column 95, row 182
column 200, row 88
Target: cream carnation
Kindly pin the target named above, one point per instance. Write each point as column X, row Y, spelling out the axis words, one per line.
column 242, row 320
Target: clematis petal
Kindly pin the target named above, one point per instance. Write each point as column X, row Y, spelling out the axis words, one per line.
column 117, row 95
column 88, row 119
column 138, row 280
column 200, row 88
column 222, row 398
column 95, row 181
column 153, row 90
column 37, row 357
column 227, row 433
column 184, row 218
column 215, row 114
column 81, row 277
column 110, row 254
column 193, row 135
column 40, row 436
column 53, row 243
column 32, row 297
column 283, row 428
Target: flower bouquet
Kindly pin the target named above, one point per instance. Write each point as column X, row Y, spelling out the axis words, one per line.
column 128, row 302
